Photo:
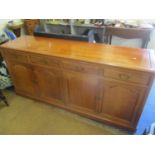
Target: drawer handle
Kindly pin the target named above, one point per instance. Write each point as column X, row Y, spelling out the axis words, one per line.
column 124, row 76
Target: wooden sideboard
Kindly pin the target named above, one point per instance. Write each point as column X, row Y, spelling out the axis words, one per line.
column 102, row 82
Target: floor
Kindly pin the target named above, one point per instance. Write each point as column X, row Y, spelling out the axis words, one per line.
column 26, row 116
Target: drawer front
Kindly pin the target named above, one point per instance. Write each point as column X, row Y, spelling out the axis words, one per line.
column 81, row 67
column 44, row 60
column 15, row 55
column 128, row 76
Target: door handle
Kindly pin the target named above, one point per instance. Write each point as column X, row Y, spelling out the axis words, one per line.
column 124, row 76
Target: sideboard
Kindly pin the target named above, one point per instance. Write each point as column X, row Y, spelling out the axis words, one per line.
column 106, row 83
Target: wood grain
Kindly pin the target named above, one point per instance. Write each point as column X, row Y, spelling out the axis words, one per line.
column 133, row 58
column 98, row 81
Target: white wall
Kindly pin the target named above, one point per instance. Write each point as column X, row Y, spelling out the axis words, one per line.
column 3, row 23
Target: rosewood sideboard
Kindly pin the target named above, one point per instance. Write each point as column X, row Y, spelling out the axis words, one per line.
column 102, row 82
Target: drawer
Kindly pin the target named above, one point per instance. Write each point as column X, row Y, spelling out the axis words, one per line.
column 81, row 67
column 129, row 76
column 44, row 60
column 15, row 55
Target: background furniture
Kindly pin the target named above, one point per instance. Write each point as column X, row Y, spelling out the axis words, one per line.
column 30, row 25
column 128, row 33
column 5, row 81
column 89, row 36
column 3, row 98
column 40, row 31
column 77, row 76
column 16, row 28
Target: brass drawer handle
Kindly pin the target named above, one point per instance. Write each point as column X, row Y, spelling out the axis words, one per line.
column 37, row 60
column 124, row 76
column 74, row 67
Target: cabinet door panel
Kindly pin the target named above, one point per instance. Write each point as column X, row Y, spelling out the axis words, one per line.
column 23, row 79
column 50, row 82
column 82, row 91
column 121, row 100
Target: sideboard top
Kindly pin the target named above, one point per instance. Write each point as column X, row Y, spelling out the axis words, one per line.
column 134, row 58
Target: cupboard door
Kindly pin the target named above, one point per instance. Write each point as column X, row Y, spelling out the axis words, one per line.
column 50, row 83
column 23, row 79
column 82, row 91
column 120, row 101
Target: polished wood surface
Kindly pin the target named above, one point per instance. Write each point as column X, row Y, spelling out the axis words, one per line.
column 22, row 76
column 98, row 81
column 82, row 91
column 50, row 83
column 100, row 53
